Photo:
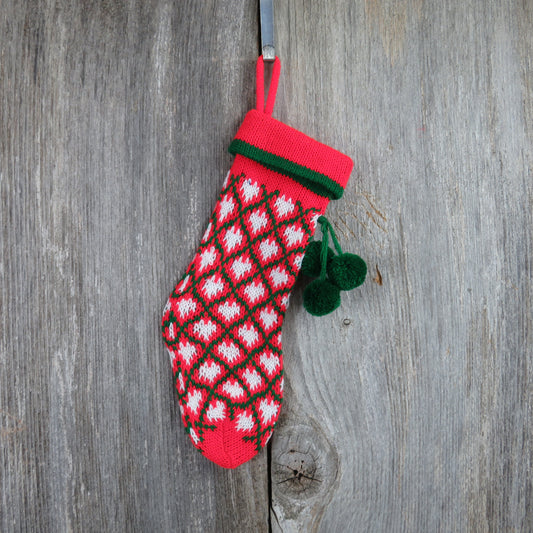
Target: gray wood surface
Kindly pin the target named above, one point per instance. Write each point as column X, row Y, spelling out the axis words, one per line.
column 409, row 408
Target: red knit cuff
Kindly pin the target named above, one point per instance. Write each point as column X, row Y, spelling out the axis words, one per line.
column 290, row 152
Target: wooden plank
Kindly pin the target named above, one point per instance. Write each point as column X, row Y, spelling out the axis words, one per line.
column 410, row 407
column 115, row 119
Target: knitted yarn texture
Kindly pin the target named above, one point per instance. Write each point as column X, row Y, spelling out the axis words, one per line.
column 222, row 322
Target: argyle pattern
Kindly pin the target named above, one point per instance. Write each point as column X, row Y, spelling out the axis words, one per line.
column 222, row 323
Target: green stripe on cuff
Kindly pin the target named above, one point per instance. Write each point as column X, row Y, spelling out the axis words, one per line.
column 310, row 179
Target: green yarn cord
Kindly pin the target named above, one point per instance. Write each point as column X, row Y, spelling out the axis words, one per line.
column 326, row 228
column 323, row 251
column 322, row 297
column 311, row 263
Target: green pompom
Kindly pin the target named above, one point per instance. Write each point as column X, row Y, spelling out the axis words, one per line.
column 321, row 297
column 347, row 271
column 311, row 260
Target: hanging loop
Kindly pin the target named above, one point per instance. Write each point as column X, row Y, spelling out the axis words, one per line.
column 272, row 90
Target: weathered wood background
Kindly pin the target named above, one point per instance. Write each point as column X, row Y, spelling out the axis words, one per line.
column 408, row 409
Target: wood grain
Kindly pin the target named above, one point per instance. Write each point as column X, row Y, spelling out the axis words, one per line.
column 409, row 408
column 110, row 164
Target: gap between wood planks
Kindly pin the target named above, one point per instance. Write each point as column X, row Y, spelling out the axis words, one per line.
column 269, row 488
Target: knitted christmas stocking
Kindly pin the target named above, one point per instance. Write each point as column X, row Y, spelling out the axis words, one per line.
column 222, row 323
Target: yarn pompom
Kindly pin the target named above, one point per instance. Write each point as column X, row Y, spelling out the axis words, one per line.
column 311, row 261
column 321, row 297
column 347, row 271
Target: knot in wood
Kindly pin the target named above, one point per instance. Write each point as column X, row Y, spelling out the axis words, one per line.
column 304, row 466
column 297, row 472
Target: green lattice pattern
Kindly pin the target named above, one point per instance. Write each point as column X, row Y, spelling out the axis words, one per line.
column 177, row 330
